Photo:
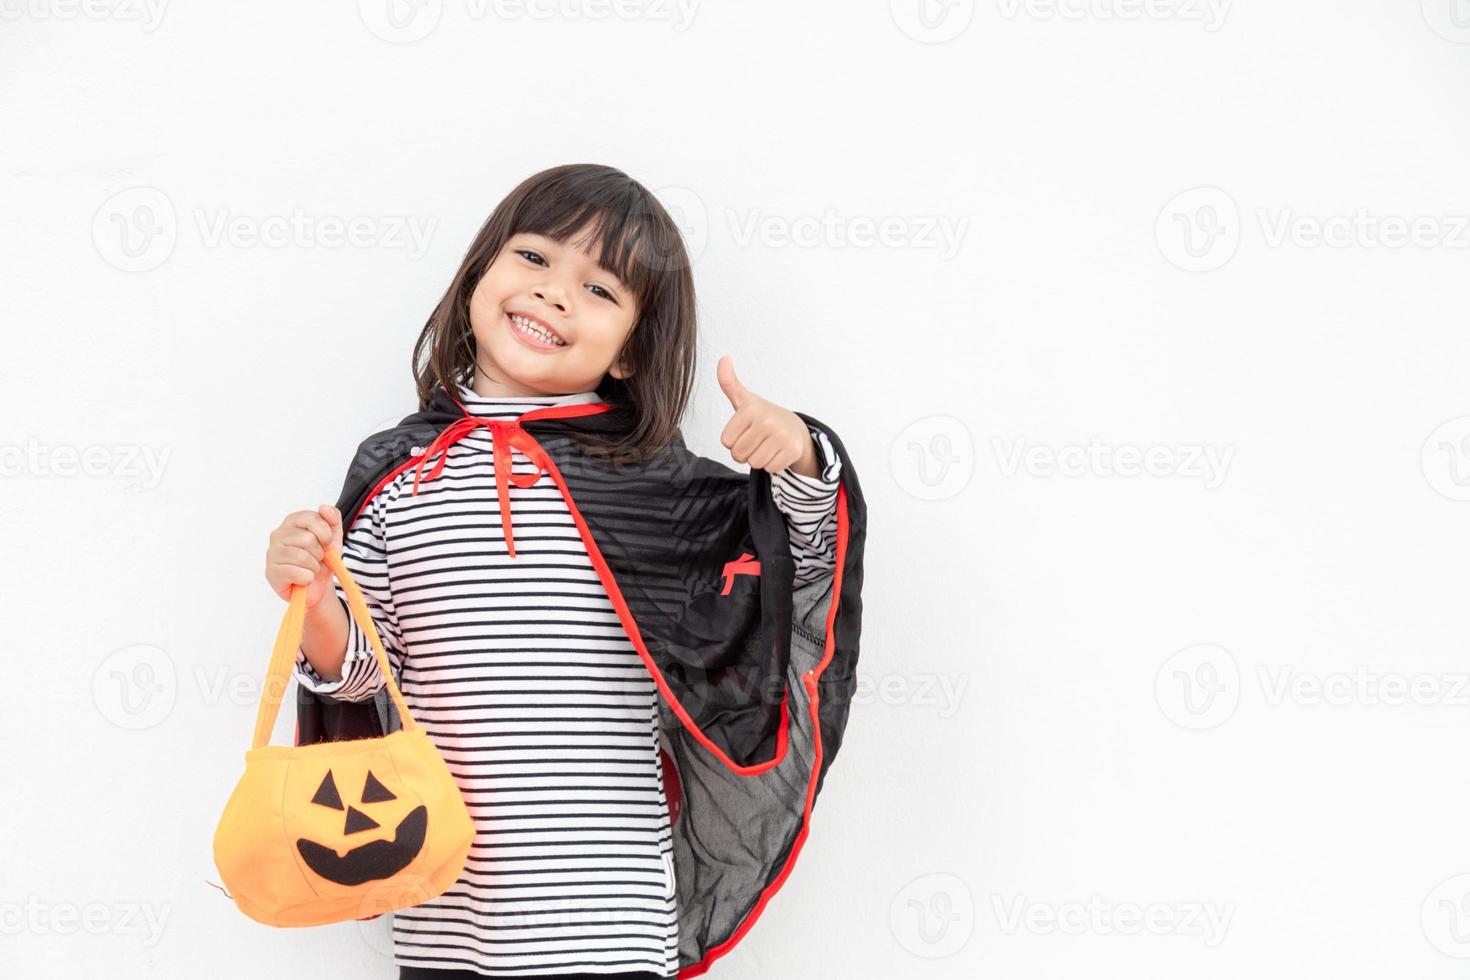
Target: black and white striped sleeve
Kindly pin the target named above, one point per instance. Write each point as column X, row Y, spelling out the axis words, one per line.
column 809, row 504
column 365, row 553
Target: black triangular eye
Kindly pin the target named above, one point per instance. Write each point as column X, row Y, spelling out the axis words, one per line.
column 357, row 821
column 326, row 793
column 374, row 791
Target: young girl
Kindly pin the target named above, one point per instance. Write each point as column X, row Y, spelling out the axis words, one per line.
column 576, row 291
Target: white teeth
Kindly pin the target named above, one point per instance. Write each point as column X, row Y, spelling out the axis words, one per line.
column 535, row 330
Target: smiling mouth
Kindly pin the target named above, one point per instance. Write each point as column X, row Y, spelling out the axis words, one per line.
column 373, row 861
column 534, row 334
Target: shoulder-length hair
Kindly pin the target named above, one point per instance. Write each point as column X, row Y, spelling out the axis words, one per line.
column 636, row 240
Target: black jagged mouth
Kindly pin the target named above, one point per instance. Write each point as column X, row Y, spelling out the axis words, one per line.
column 373, row 861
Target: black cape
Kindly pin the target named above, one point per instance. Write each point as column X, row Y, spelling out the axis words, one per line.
column 755, row 674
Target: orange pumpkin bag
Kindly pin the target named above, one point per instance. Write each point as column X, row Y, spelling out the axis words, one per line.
column 334, row 831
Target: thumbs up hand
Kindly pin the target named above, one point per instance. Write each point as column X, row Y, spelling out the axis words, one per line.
column 761, row 433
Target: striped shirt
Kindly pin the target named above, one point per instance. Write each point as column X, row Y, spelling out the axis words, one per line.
column 523, row 678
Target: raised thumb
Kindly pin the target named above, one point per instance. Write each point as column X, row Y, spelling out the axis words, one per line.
column 729, row 384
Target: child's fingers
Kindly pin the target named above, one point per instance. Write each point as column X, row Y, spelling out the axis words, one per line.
column 300, row 564
column 302, row 538
column 307, row 519
column 734, row 429
column 767, row 454
column 287, row 566
column 749, row 441
column 333, row 517
column 318, row 526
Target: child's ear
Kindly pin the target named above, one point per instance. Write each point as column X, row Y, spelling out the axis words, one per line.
column 622, row 365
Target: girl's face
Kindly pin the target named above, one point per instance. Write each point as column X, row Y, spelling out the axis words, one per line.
column 563, row 290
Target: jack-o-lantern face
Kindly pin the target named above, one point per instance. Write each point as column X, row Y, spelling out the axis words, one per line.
column 374, row 860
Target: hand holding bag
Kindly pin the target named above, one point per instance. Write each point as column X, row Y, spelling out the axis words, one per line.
column 334, row 831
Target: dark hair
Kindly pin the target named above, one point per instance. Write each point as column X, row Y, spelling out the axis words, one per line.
column 636, row 240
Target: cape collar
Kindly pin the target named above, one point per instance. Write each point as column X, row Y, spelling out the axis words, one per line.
column 502, row 416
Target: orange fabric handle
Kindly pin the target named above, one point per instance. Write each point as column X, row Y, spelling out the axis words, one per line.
column 288, row 640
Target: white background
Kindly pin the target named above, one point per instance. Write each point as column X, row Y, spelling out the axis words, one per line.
column 1192, row 721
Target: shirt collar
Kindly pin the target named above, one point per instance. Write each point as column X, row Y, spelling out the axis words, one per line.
column 510, row 406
